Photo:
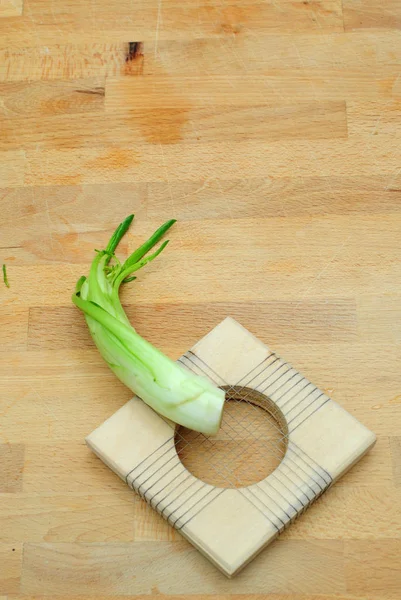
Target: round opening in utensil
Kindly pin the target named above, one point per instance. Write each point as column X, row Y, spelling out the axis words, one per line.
column 250, row 444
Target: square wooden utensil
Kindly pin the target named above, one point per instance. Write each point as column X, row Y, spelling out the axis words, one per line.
column 283, row 442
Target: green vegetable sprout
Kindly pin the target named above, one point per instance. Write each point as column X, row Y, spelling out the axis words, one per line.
column 187, row 399
column 5, row 278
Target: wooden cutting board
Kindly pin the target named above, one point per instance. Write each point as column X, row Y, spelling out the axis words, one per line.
column 271, row 132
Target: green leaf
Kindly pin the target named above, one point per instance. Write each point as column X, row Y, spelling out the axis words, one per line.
column 5, row 278
column 79, row 284
column 138, row 265
column 148, row 245
column 118, row 235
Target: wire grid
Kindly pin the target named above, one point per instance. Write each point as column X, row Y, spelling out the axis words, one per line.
column 295, row 481
column 277, row 408
column 255, row 397
column 314, row 479
column 268, row 450
column 241, row 453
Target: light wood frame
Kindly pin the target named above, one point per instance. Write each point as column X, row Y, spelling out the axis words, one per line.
column 232, row 525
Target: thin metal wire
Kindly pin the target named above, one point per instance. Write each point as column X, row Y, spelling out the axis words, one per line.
column 188, row 487
column 204, row 484
column 270, row 497
column 276, row 401
column 244, row 398
column 153, row 463
column 142, row 461
column 316, row 409
column 188, row 476
column 243, row 377
column 282, row 454
column 190, row 352
column 164, row 474
column 254, row 493
column 160, row 468
column 177, row 464
column 297, row 498
column 193, row 482
column 196, row 491
column 301, row 400
column 250, row 433
column 305, row 408
column 291, row 447
column 231, row 387
column 261, row 511
column 204, row 440
column 311, row 466
column 212, row 489
column 296, row 485
column 192, row 516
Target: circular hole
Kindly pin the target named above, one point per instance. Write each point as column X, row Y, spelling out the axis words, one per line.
column 249, row 446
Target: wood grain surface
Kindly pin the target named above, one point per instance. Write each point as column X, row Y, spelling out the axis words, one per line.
column 270, row 130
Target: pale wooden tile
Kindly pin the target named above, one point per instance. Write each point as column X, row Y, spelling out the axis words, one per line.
column 379, row 317
column 57, row 467
column 310, row 322
column 199, row 20
column 10, row 572
column 257, row 54
column 240, row 54
column 12, row 458
column 12, row 168
column 373, row 567
column 150, row 526
column 13, row 320
column 347, row 513
column 59, row 409
column 11, row 8
column 207, row 596
column 396, row 459
column 222, row 89
column 374, row 469
column 181, row 123
column 374, row 118
column 72, row 209
column 245, row 245
column 45, row 330
column 24, row 366
column 48, row 99
column 368, row 15
column 61, row 62
column 245, row 198
column 288, row 566
column 68, row 517
column 225, row 160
